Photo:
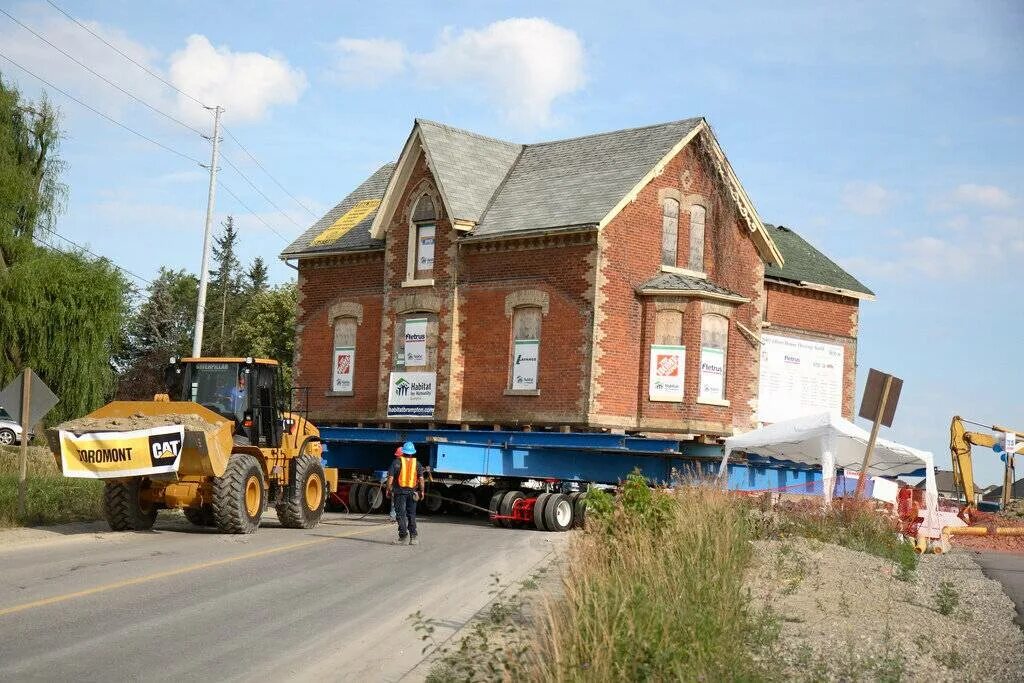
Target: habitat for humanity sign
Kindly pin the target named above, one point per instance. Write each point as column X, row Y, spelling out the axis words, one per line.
column 415, row 342
column 412, row 394
column 668, row 365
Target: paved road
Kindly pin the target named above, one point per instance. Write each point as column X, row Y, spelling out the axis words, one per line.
column 1007, row 569
column 184, row 603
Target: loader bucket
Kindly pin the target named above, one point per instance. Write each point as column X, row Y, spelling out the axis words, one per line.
column 208, row 436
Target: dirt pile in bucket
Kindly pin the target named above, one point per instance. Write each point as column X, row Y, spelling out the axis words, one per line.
column 127, row 423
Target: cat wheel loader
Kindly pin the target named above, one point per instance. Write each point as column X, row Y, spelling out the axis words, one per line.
column 222, row 445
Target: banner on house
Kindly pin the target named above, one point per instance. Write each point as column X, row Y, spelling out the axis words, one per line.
column 412, row 394
column 104, row 455
column 425, row 252
column 525, row 353
column 344, row 367
column 415, row 342
column 799, row 377
column 667, row 373
column 712, row 373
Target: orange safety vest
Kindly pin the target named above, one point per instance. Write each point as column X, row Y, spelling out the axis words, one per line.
column 407, row 475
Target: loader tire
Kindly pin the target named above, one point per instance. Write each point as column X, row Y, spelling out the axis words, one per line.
column 239, row 495
column 305, row 494
column 122, row 507
column 200, row 516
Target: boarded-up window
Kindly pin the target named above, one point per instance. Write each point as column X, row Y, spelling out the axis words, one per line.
column 525, row 359
column 714, row 343
column 698, row 215
column 669, row 231
column 668, row 328
column 422, row 237
column 424, row 211
column 416, row 342
column 343, row 356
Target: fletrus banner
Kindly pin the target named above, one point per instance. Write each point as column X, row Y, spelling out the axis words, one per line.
column 106, row 455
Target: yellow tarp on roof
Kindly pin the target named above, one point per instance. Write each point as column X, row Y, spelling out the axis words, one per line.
column 346, row 222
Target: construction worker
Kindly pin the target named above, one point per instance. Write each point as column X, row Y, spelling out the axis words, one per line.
column 406, row 486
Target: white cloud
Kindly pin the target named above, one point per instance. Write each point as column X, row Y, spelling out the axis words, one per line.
column 867, row 199
column 367, row 61
column 246, row 84
column 520, row 65
column 986, row 196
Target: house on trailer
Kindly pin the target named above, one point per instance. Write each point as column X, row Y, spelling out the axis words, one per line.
column 619, row 281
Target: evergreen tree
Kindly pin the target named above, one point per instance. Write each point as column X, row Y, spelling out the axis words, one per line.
column 257, row 276
column 268, row 328
column 226, row 286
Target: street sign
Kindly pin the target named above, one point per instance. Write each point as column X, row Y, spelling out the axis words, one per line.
column 872, row 398
column 41, row 399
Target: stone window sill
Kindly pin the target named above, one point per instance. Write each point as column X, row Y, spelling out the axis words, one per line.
column 339, row 393
column 419, row 283
column 684, row 271
column 713, row 402
column 522, row 392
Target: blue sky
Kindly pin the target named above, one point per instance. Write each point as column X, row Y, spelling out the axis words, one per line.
column 892, row 137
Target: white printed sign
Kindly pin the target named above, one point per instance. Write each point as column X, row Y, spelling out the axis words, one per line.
column 712, row 373
column 525, row 354
column 412, row 394
column 667, row 373
column 1009, row 443
column 425, row 252
column 415, row 342
column 799, row 377
column 344, row 368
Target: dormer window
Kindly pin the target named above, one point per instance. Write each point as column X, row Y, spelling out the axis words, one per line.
column 422, row 234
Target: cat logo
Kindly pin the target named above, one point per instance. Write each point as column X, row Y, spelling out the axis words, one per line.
column 164, row 449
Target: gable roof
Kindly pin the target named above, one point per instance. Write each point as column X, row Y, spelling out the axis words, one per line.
column 357, row 236
column 806, row 265
column 944, row 482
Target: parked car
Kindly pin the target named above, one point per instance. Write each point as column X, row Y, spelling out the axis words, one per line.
column 10, row 431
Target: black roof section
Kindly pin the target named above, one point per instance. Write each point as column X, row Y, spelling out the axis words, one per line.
column 804, row 263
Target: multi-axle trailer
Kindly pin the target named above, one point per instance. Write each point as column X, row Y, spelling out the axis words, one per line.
column 532, row 478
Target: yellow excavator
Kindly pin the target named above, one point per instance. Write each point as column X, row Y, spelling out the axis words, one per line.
column 960, row 442
column 222, row 444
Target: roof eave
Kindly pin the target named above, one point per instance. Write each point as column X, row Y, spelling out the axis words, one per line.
column 694, row 293
column 539, row 232
column 332, row 252
column 852, row 293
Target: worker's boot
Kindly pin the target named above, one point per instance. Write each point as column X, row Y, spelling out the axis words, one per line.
column 398, row 541
column 413, row 540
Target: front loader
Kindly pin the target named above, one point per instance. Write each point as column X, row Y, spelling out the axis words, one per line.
column 221, row 445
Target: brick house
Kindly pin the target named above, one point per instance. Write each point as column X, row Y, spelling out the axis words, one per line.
column 616, row 281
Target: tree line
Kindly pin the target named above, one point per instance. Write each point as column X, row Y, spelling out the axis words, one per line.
column 77, row 320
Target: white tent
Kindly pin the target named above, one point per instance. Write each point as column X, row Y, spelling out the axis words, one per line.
column 828, row 440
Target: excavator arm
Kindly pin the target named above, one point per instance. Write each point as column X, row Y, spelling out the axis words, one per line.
column 960, row 442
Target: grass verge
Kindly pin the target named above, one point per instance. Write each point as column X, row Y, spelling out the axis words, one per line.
column 51, row 498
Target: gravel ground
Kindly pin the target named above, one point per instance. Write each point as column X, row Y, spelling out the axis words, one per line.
column 846, row 615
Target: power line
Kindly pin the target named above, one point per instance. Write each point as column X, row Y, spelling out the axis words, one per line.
column 276, row 182
column 246, row 207
column 270, row 201
column 99, row 113
column 91, row 252
column 127, row 56
column 99, row 75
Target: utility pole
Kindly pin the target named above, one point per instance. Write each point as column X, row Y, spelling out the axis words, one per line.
column 197, row 339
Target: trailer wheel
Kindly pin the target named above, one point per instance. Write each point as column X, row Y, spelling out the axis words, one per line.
column 483, row 495
column 123, row 507
column 579, row 509
column 506, row 506
column 558, row 513
column 200, row 516
column 538, row 511
column 354, row 495
column 305, row 494
column 464, row 499
column 432, row 502
column 375, row 498
column 238, row 496
column 494, row 507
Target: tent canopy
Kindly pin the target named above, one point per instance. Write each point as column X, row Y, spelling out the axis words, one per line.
column 828, row 440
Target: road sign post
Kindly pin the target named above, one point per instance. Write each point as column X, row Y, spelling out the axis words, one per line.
column 881, row 394
column 28, row 400
column 26, row 395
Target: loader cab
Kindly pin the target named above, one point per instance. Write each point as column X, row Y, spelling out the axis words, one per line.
column 248, row 391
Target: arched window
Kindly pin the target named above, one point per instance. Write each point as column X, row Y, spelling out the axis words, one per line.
column 669, row 231
column 714, row 347
column 525, row 361
column 697, row 216
column 416, row 342
column 343, row 360
column 422, row 236
column 667, row 374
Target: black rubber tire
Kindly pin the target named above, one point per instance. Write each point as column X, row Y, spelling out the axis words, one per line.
column 483, row 496
column 295, row 512
column 579, row 509
column 433, row 504
column 557, row 501
column 200, row 516
column 465, row 500
column 506, row 506
column 8, row 437
column 355, row 495
column 376, row 501
column 121, row 506
column 365, row 491
column 538, row 511
column 229, row 494
column 495, row 506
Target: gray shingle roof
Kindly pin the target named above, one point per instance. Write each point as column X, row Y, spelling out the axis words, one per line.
column 577, row 181
column 358, row 237
column 469, row 167
column 685, row 283
column 804, row 263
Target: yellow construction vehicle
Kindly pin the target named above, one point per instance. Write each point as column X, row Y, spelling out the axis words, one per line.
column 222, row 444
column 960, row 442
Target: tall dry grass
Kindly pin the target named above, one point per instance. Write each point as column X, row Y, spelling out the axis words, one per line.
column 51, row 498
column 653, row 591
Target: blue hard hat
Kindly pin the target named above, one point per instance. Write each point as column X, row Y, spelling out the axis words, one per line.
column 408, row 448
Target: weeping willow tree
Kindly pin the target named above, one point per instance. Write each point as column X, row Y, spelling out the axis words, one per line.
column 60, row 313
